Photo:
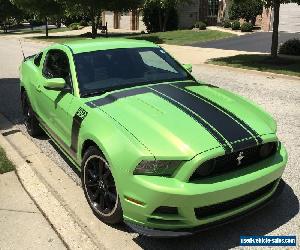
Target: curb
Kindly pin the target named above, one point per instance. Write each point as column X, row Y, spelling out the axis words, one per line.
column 61, row 220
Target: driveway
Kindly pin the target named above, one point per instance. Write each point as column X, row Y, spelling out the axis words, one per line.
column 256, row 42
column 279, row 96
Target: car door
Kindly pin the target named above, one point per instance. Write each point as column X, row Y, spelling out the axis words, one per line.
column 55, row 104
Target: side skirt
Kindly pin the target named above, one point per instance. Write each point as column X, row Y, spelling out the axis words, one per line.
column 60, row 144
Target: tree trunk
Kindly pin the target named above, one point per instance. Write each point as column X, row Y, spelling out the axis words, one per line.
column 46, row 21
column 166, row 20
column 94, row 28
column 4, row 27
column 160, row 19
column 58, row 23
column 97, row 22
column 274, row 48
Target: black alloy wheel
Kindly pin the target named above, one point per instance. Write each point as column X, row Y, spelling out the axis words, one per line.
column 99, row 187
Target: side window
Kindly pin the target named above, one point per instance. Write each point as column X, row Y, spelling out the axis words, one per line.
column 57, row 65
column 37, row 59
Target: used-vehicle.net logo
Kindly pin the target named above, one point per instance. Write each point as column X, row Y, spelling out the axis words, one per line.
column 268, row 240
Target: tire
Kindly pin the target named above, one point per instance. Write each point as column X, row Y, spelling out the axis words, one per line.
column 99, row 187
column 30, row 120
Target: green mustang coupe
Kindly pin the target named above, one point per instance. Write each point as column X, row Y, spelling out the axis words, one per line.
column 157, row 149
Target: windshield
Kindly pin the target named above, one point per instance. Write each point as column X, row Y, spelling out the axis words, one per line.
column 100, row 71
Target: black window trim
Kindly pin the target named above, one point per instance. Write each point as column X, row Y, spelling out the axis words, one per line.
column 189, row 75
column 46, row 54
column 39, row 59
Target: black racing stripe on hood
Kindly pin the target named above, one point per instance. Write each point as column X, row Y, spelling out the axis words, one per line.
column 231, row 130
column 132, row 92
column 251, row 130
column 110, row 98
column 214, row 133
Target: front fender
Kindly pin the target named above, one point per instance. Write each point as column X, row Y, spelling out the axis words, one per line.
column 121, row 149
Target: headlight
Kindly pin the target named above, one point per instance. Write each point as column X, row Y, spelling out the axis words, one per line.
column 159, row 168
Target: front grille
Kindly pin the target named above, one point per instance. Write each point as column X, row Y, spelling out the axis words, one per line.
column 229, row 163
column 216, row 209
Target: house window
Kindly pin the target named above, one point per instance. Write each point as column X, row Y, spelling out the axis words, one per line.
column 213, row 8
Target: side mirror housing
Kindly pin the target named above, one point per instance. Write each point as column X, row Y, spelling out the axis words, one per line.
column 188, row 67
column 55, row 84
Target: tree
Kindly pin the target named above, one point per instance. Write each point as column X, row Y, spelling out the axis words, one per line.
column 93, row 8
column 165, row 10
column 155, row 17
column 247, row 10
column 9, row 11
column 43, row 9
column 275, row 4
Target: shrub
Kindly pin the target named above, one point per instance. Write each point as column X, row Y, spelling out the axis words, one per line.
column 227, row 24
column 34, row 23
column 74, row 26
column 83, row 23
column 290, row 47
column 246, row 27
column 200, row 25
column 235, row 25
column 247, row 10
column 68, row 20
column 152, row 10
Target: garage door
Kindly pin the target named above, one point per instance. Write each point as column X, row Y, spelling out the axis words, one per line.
column 289, row 17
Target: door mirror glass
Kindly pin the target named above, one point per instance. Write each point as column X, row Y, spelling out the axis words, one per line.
column 188, row 67
column 55, row 83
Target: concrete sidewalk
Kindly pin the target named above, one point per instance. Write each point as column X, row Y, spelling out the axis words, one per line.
column 196, row 55
column 22, row 226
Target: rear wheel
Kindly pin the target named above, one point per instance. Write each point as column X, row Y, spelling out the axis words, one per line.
column 30, row 121
column 99, row 187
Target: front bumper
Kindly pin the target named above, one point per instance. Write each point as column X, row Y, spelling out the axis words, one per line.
column 153, row 192
column 150, row 232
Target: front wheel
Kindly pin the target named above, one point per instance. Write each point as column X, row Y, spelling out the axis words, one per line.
column 99, row 187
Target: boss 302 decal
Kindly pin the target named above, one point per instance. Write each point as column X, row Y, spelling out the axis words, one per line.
column 80, row 115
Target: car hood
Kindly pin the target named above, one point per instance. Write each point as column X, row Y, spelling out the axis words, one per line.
column 185, row 119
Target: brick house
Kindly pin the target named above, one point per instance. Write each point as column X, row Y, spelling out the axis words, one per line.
column 211, row 11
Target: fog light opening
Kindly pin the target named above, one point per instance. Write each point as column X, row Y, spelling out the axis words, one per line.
column 166, row 210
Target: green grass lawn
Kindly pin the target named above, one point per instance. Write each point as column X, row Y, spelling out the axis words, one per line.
column 262, row 63
column 178, row 37
column 5, row 164
column 184, row 37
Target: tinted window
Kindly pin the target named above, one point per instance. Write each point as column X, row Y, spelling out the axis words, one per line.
column 120, row 68
column 57, row 66
column 37, row 59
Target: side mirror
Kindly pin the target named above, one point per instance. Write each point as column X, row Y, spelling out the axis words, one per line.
column 188, row 67
column 55, row 84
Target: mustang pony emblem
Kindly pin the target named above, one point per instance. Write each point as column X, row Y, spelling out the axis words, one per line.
column 240, row 158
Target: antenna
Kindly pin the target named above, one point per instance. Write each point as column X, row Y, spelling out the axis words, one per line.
column 22, row 49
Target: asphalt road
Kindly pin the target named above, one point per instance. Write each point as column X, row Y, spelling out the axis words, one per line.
column 279, row 96
column 256, row 42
